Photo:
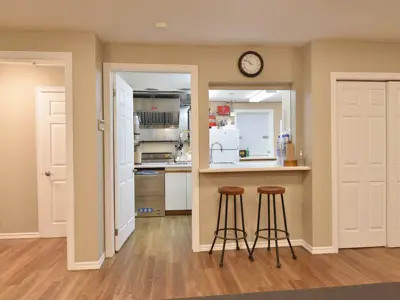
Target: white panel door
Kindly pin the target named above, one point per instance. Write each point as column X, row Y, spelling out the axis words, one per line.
column 361, row 163
column 255, row 132
column 175, row 191
column 124, row 162
column 52, row 163
column 393, row 180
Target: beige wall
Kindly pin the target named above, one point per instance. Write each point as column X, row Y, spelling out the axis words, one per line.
column 86, row 162
column 275, row 106
column 219, row 65
column 327, row 57
column 18, row 184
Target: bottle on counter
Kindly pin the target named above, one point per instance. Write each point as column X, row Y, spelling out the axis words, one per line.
column 301, row 160
column 247, row 152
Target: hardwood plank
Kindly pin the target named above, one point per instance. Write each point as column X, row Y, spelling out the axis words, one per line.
column 157, row 263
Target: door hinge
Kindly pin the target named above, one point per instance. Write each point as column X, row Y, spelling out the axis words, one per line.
column 116, row 232
column 114, row 93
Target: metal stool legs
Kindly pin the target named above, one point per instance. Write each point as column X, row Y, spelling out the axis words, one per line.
column 225, row 229
column 216, row 231
column 275, row 228
column 284, row 220
column 278, row 264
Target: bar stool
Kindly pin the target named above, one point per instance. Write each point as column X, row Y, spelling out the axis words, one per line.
column 230, row 191
column 272, row 190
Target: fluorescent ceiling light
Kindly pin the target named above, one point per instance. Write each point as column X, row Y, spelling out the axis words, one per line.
column 263, row 95
column 212, row 93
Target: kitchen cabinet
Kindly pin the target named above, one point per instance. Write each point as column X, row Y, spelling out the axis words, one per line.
column 178, row 191
column 189, row 191
column 175, row 191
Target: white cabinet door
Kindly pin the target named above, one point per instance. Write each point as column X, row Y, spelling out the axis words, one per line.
column 175, row 191
column 189, row 191
column 361, row 151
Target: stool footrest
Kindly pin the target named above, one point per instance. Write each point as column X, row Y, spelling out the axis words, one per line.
column 287, row 235
column 230, row 239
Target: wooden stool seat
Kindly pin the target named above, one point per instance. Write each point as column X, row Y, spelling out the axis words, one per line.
column 231, row 190
column 271, row 190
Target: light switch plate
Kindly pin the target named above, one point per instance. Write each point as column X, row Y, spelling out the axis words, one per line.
column 101, row 125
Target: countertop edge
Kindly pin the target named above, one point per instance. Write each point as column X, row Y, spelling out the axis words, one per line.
column 265, row 169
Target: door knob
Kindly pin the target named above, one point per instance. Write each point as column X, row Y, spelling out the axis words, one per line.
column 48, row 173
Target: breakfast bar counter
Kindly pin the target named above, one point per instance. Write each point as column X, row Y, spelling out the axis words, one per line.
column 251, row 166
column 251, row 175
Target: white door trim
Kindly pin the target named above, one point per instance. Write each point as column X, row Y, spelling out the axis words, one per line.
column 61, row 59
column 337, row 76
column 108, row 69
column 39, row 175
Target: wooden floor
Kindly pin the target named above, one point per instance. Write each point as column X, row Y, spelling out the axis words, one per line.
column 157, row 263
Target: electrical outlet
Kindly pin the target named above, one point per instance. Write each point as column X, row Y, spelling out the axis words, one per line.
column 101, row 125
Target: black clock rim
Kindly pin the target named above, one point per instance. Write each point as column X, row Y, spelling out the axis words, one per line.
column 240, row 64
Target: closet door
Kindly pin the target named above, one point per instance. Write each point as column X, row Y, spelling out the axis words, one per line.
column 361, row 120
column 393, row 144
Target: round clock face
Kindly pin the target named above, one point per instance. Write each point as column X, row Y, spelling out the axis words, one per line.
column 251, row 64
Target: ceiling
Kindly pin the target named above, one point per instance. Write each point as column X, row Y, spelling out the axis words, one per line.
column 210, row 21
column 164, row 82
column 242, row 96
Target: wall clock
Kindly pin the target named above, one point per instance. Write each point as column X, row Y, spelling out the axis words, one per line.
column 251, row 64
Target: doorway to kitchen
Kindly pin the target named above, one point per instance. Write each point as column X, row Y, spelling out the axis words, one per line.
column 151, row 113
column 365, row 165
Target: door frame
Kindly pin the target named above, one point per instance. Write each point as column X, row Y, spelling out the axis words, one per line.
column 108, row 70
column 39, row 164
column 390, row 213
column 271, row 122
column 63, row 59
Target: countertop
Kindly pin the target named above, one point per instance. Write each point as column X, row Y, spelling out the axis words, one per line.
column 251, row 166
column 164, row 165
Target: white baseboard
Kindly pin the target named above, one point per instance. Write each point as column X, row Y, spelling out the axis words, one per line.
column 318, row 250
column 260, row 244
column 263, row 244
column 22, row 235
column 89, row 265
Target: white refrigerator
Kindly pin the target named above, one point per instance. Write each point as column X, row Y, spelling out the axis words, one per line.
column 224, row 145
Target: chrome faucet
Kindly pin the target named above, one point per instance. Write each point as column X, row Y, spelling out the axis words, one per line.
column 212, row 148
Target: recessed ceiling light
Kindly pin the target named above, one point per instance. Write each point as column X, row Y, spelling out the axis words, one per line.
column 161, row 25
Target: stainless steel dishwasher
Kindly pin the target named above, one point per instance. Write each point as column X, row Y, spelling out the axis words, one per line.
column 150, row 193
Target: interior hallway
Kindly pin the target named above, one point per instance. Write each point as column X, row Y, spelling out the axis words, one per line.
column 157, row 263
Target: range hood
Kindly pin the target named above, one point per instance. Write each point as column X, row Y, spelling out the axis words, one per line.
column 157, row 109
column 159, row 114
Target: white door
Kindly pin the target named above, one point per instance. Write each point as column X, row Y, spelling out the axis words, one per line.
column 256, row 132
column 124, row 162
column 52, row 162
column 361, row 163
column 393, row 180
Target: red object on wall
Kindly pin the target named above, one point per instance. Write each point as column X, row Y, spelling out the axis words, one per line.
column 224, row 110
column 212, row 121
